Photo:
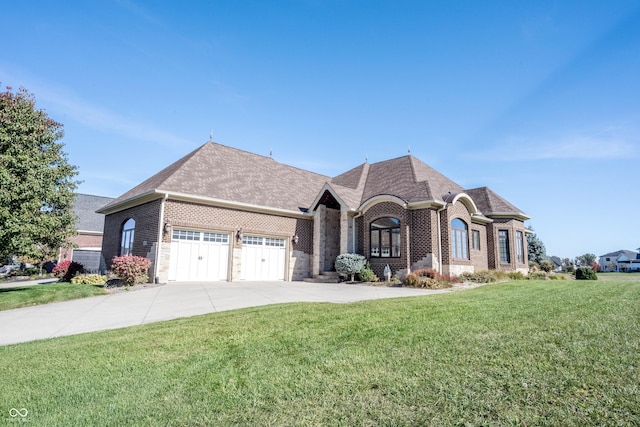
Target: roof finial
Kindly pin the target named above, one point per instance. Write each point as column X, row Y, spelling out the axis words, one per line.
column 271, row 153
column 211, row 136
column 409, row 149
column 366, row 158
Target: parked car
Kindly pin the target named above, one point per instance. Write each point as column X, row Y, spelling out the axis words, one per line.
column 6, row 269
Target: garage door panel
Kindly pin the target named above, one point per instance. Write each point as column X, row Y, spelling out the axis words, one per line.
column 197, row 256
column 263, row 258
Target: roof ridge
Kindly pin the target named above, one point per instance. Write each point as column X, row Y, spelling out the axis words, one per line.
column 265, row 158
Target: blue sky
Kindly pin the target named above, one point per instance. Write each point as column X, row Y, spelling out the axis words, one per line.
column 538, row 100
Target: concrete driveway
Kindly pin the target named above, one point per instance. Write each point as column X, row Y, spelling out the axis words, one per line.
column 172, row 301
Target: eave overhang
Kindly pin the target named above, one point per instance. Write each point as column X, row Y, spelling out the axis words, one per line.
column 210, row 201
column 509, row 215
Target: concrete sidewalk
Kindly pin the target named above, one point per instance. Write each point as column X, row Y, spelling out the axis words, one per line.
column 172, row 301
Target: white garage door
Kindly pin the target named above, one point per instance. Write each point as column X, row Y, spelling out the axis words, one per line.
column 198, row 256
column 263, row 258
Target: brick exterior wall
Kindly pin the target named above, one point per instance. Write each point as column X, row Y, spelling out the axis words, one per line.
column 384, row 209
column 208, row 218
column 145, row 237
column 511, row 225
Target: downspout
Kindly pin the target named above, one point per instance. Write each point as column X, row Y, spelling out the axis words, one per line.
column 440, row 239
column 156, row 274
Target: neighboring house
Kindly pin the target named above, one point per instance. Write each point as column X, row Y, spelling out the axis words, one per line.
column 88, row 241
column 620, row 261
column 557, row 264
column 220, row 213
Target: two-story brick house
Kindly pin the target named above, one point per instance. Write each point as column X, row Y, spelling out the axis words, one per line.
column 221, row 213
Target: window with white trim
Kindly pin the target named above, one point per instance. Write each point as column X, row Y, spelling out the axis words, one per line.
column 185, row 235
column 252, row 240
column 520, row 246
column 503, row 244
column 215, row 237
column 475, row 239
column 126, row 240
column 459, row 239
column 279, row 243
column 384, row 239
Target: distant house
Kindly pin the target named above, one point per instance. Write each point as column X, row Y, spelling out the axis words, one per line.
column 557, row 264
column 90, row 226
column 620, row 261
column 220, row 213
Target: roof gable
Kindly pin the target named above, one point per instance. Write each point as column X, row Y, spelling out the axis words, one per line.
column 407, row 178
column 85, row 207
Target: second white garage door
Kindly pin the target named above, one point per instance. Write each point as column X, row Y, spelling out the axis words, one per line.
column 198, row 256
column 263, row 258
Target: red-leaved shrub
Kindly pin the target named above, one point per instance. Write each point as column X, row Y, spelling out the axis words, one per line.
column 66, row 270
column 131, row 269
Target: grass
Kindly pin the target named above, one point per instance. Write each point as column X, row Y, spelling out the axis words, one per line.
column 515, row 353
column 23, row 296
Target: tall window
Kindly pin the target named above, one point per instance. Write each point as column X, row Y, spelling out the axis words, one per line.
column 520, row 246
column 475, row 239
column 503, row 241
column 126, row 242
column 459, row 239
column 385, row 238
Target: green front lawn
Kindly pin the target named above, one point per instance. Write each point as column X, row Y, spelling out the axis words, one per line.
column 517, row 353
column 23, row 296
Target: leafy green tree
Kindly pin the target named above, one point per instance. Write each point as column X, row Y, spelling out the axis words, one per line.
column 535, row 247
column 587, row 259
column 36, row 181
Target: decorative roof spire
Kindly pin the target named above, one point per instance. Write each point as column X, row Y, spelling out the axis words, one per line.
column 409, row 149
column 211, row 136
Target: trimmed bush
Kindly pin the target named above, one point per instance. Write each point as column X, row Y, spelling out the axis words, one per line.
column 66, row 270
column 89, row 279
column 585, row 273
column 367, row 274
column 350, row 264
column 131, row 269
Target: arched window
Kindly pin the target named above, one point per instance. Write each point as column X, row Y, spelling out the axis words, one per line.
column 126, row 242
column 459, row 239
column 385, row 238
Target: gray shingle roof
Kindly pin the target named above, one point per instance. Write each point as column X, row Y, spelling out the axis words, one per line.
column 85, row 207
column 490, row 203
column 627, row 253
column 220, row 172
column 405, row 177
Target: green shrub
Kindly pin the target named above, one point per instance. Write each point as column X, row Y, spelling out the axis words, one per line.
column 585, row 273
column 89, row 279
column 350, row 264
column 537, row 275
column 557, row 277
column 515, row 275
column 367, row 274
column 131, row 269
